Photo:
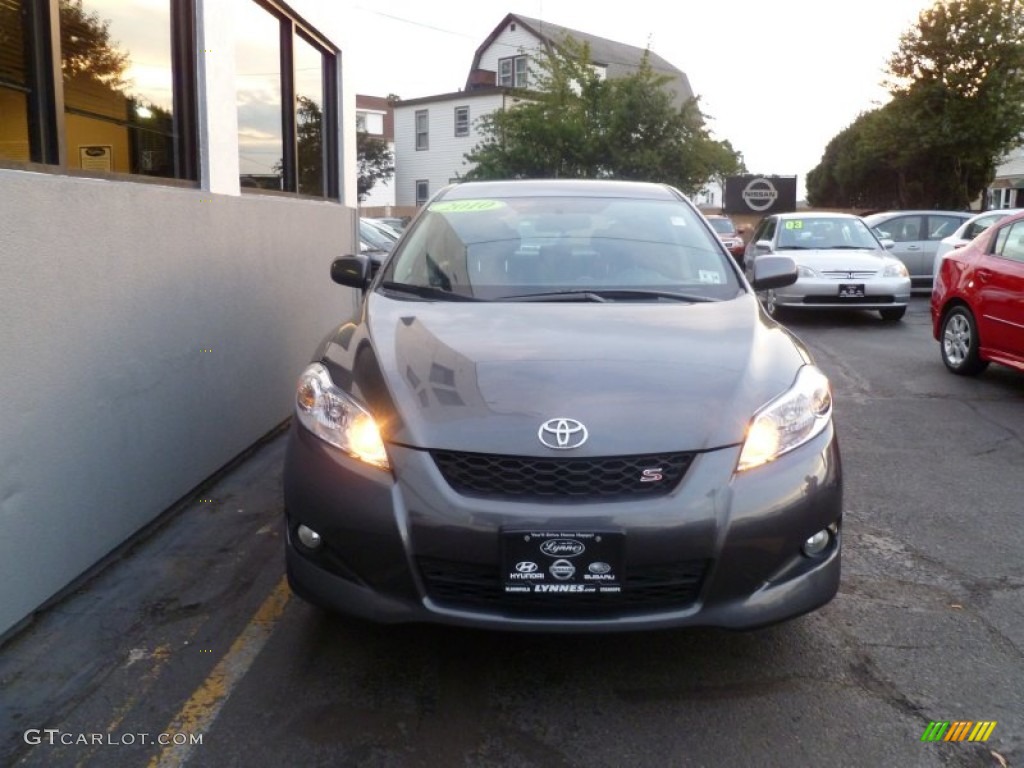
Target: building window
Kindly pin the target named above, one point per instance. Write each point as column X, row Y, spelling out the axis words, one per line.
column 512, row 72
column 280, row 61
column 422, row 129
column 422, row 191
column 462, row 121
column 360, row 122
column 126, row 80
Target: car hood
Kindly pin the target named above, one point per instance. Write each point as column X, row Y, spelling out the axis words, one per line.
column 642, row 377
column 829, row 259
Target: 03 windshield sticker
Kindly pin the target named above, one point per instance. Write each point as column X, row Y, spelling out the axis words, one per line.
column 466, row 206
column 794, row 224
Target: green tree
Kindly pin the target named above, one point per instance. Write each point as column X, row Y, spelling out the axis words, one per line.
column 574, row 124
column 86, row 48
column 376, row 162
column 957, row 85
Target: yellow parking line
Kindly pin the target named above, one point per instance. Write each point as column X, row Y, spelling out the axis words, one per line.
column 202, row 708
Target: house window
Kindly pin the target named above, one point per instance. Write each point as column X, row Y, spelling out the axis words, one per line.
column 422, row 191
column 279, row 62
column 125, row 78
column 422, row 129
column 462, row 121
column 361, row 122
column 512, row 72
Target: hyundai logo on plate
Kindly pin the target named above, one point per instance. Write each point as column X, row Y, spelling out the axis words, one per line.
column 526, row 567
column 562, row 434
column 562, row 547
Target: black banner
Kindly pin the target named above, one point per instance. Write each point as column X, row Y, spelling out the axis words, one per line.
column 760, row 194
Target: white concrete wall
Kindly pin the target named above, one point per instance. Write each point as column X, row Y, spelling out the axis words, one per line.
column 445, row 159
column 149, row 334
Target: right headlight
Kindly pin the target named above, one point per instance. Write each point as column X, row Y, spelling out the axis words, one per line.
column 788, row 421
column 806, row 271
column 335, row 417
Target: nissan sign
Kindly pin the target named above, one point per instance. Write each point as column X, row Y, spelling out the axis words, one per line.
column 760, row 194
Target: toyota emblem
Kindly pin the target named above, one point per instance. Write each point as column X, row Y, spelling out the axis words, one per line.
column 562, row 434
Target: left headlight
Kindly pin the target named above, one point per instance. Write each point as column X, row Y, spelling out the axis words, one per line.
column 895, row 269
column 788, row 421
column 335, row 417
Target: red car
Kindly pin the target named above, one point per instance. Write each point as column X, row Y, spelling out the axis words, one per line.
column 728, row 234
column 978, row 301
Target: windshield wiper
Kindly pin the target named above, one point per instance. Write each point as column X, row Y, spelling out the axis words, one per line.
column 426, row 292
column 607, row 294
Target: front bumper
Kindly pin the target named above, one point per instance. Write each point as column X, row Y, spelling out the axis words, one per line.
column 823, row 293
column 737, row 537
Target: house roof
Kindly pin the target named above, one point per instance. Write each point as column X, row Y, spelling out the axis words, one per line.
column 619, row 59
column 467, row 95
column 1012, row 167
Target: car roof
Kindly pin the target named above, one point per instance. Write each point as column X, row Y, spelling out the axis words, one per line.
column 893, row 214
column 1004, row 211
column 469, row 190
column 816, row 215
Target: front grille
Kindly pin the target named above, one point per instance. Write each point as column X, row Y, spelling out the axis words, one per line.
column 849, row 300
column 575, row 479
column 472, row 586
column 847, row 275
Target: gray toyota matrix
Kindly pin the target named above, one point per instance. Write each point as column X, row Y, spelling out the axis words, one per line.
column 560, row 407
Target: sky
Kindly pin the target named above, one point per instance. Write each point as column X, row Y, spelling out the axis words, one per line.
column 777, row 78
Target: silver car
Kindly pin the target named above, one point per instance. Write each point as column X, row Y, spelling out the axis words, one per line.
column 593, row 429
column 916, row 236
column 841, row 264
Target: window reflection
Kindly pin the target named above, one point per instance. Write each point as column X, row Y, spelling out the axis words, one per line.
column 309, row 117
column 118, row 86
column 258, row 60
column 14, row 83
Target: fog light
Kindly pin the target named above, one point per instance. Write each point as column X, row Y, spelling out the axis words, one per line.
column 817, row 543
column 309, row 538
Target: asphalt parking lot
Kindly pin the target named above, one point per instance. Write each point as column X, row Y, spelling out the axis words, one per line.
column 194, row 640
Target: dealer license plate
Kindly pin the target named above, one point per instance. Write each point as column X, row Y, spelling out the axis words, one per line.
column 562, row 562
column 851, row 290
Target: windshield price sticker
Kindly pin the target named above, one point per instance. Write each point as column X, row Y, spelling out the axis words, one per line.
column 794, row 225
column 562, row 562
column 466, row 206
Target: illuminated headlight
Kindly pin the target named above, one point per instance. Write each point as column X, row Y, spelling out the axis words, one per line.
column 895, row 269
column 806, row 272
column 788, row 421
column 336, row 418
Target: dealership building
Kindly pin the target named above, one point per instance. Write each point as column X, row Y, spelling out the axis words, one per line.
column 175, row 178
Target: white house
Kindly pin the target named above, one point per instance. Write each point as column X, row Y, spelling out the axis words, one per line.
column 433, row 134
column 1007, row 189
column 375, row 117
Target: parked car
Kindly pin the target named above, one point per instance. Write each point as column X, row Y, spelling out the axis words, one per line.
column 376, row 237
column 395, row 223
column 729, row 235
column 916, row 235
column 969, row 230
column 842, row 265
column 604, row 433
column 977, row 302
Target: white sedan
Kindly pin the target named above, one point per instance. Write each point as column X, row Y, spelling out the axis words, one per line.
column 969, row 230
column 842, row 265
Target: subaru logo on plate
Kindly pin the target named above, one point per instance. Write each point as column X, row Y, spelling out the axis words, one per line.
column 562, row 434
column 562, row 547
column 526, row 567
column 562, row 569
column 599, row 567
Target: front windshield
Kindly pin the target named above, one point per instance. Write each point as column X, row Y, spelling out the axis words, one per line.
column 821, row 233
column 545, row 246
column 722, row 226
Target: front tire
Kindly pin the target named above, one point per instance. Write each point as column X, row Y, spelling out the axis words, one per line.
column 893, row 315
column 959, row 343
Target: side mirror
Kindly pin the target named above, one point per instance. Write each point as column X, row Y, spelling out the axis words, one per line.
column 773, row 272
column 888, row 243
column 763, row 246
column 352, row 271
